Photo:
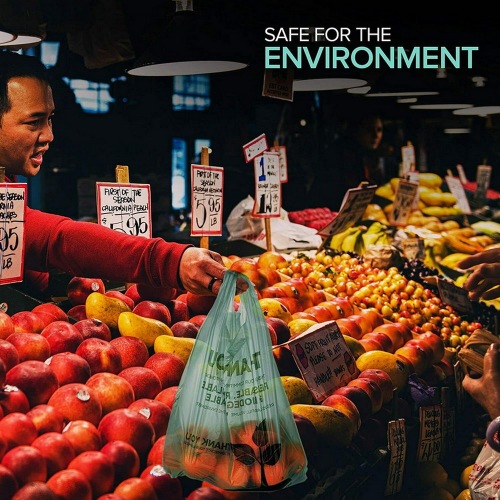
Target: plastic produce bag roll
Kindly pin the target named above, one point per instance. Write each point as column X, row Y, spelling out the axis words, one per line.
column 231, row 422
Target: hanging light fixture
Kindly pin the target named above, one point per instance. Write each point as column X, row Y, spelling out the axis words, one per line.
column 23, row 20
column 184, row 49
column 6, row 36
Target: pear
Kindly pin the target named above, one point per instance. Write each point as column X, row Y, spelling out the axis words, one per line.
column 131, row 324
column 180, row 346
column 107, row 309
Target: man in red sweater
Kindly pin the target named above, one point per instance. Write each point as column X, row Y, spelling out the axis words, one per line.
column 82, row 248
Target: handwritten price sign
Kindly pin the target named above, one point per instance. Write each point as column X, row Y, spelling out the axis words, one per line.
column 125, row 207
column 255, row 148
column 12, row 216
column 267, row 186
column 206, row 200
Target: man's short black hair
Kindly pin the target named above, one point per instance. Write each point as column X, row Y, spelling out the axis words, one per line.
column 14, row 65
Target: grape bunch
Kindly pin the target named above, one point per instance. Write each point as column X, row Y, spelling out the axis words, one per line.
column 415, row 269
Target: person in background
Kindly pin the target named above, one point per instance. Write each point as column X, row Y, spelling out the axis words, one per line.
column 484, row 283
column 356, row 156
column 82, row 248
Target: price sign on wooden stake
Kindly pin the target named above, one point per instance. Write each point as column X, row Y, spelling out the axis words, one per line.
column 267, row 186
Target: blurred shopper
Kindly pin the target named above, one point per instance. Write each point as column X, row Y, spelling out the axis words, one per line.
column 81, row 248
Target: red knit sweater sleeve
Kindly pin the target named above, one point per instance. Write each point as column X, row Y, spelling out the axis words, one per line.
column 88, row 249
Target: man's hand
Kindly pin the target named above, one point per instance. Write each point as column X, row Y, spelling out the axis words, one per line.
column 484, row 282
column 486, row 389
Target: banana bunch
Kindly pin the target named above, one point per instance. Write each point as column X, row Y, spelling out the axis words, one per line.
column 451, row 260
column 357, row 238
column 458, row 243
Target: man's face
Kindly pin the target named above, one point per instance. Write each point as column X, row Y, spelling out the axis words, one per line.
column 26, row 129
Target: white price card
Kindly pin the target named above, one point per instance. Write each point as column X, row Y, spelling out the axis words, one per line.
column 406, row 192
column 396, row 440
column 430, row 442
column 255, row 148
column 461, row 174
column 454, row 296
column 281, row 150
column 323, row 358
column 12, row 218
column 408, row 159
column 353, row 207
column 124, row 207
column 414, row 176
column 206, row 200
column 278, row 83
column 267, row 186
column 483, row 177
column 458, row 191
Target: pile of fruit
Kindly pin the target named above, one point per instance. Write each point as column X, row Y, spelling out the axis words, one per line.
column 317, row 218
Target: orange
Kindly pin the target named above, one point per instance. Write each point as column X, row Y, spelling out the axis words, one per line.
column 389, row 363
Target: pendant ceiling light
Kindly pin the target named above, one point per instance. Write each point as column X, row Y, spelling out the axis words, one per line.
column 187, row 46
column 6, row 36
column 23, row 21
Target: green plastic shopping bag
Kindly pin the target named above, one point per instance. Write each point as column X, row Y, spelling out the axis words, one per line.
column 231, row 422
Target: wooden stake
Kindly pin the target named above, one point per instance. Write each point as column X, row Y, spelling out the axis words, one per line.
column 2, row 174
column 205, row 152
column 121, row 174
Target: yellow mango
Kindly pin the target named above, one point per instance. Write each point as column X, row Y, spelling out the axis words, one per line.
column 429, row 179
column 385, row 191
column 180, row 346
column 296, row 390
column 438, row 199
column 107, row 309
column 146, row 329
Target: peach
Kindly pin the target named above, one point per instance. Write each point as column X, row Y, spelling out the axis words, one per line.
column 167, row 395
column 285, row 361
column 382, row 379
column 8, row 354
column 382, row 339
column 435, row 342
column 78, row 312
column 185, row 329
column 346, row 406
column 373, row 316
column 98, row 468
column 8, row 482
column 101, row 355
column 158, row 294
column 155, row 455
column 49, row 308
column 77, row 402
column 133, row 351
column 130, row 426
column 393, row 332
column 349, row 327
column 155, row 411
column 17, row 429
column 26, row 463
column 205, row 493
column 249, row 268
column 372, row 389
column 46, row 418
column 120, row 295
column 69, row 368
column 12, row 399
column 30, row 346
column 197, row 319
column 79, row 288
column 164, row 485
column 56, row 449
column 271, row 276
column 179, row 310
column 359, row 397
column 7, row 326
column 83, row 436
column 62, row 336
column 273, row 337
column 280, row 326
column 27, row 321
column 111, row 390
column 418, row 358
column 134, row 488
column 272, row 292
column 169, row 368
column 70, row 484
column 154, row 310
column 35, row 379
column 144, row 381
column 293, row 305
column 271, row 259
column 125, row 459
column 93, row 327
column 34, row 489
column 321, row 314
column 370, row 344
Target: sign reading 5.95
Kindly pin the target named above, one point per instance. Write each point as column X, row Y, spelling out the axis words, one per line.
column 206, row 200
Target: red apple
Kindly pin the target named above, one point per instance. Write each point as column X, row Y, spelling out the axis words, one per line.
column 205, row 493
column 62, row 337
column 8, row 482
column 46, row 418
column 198, row 319
column 179, row 310
column 382, row 379
column 35, row 379
column 17, row 429
column 27, row 321
column 120, row 295
column 6, row 325
column 135, row 487
column 70, row 484
column 280, row 326
column 101, row 355
column 285, row 361
column 112, row 391
column 78, row 289
column 128, row 425
column 158, row 294
column 144, row 381
column 372, row 389
column 8, row 354
column 167, row 395
column 199, row 304
column 98, row 468
column 34, row 489
column 77, row 313
column 77, row 402
column 51, row 309
column 93, row 328
column 154, row 310
column 125, row 459
column 69, row 368
column 155, row 411
column 133, row 351
column 26, row 463
column 12, row 399
column 271, row 276
column 359, row 397
column 56, row 449
column 185, row 329
column 83, row 436
column 164, row 485
column 182, row 297
column 155, row 455
column 30, row 346
column 272, row 334
column 3, row 372
column 169, row 368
